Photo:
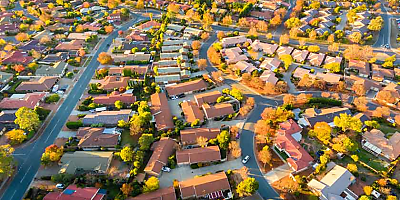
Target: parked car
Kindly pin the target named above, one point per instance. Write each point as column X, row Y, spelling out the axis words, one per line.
column 60, row 186
column 246, row 159
column 166, row 169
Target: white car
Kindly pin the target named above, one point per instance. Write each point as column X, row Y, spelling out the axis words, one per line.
column 60, row 186
column 166, row 169
column 246, row 159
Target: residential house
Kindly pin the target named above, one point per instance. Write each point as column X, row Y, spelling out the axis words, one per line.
column 212, row 186
column 303, row 28
column 244, row 67
column 269, row 77
column 161, row 111
column 167, row 63
column 300, row 56
column 198, row 155
column 138, row 56
column 112, row 82
column 189, row 136
column 107, row 118
column 10, row 28
column 316, row 59
column 110, row 99
column 282, row 50
column 7, row 118
column 171, row 49
column 148, row 25
column 379, row 73
column 233, row 41
column 114, row 18
column 72, row 45
column 287, row 141
column 264, row 15
column 81, row 36
column 361, row 22
column 137, row 35
column 175, row 27
column 323, row 31
column 363, row 68
column 182, row 43
column 330, row 59
column 165, row 79
column 299, row 73
column 162, row 150
column 32, row 45
column 96, row 138
column 119, row 71
column 368, row 84
column 271, row 63
column 53, row 58
column 269, row 49
column 16, row 101
column 91, row 26
column 160, row 194
column 375, row 142
column 218, row 110
column 5, row 78
column 329, row 78
column 192, row 112
column 168, row 70
column 77, row 193
column 312, row 115
column 193, row 31
column 43, row 84
column 79, row 162
column 234, row 55
column 334, row 185
column 208, row 97
column 17, row 57
column 186, row 88
column 56, row 70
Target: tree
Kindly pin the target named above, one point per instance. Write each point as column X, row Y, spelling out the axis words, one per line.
column 287, row 60
column 19, row 68
column 202, row 64
column 145, row 141
column 6, row 160
column 391, row 197
column 322, row 131
column 262, row 26
column 16, row 136
column 332, row 67
column 227, row 20
column 313, row 48
column 356, row 52
column 220, row 35
column 331, row 38
column 202, row 141
column 361, row 103
column 21, row 37
column 355, row 158
column 104, row 58
column 196, row 45
column 247, row 187
column 151, row 184
column 334, row 47
column 126, row 154
column 109, row 29
column 276, row 20
column 126, row 189
column 386, row 96
column 313, row 35
column 119, row 104
column 289, row 99
column 27, row 119
column 276, row 115
column 293, row 23
column 235, row 149
column 347, row 122
column 79, row 28
column 284, row 39
column 355, row 37
column 52, row 153
column 376, row 24
column 45, row 39
column 140, row 4
column 344, row 144
column 223, row 139
column 381, row 111
column 359, row 89
column 368, row 190
column 265, row 155
column 214, row 56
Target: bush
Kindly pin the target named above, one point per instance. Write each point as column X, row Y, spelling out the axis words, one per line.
column 52, row 98
column 81, row 115
column 74, row 124
column 62, row 178
column 194, row 166
column 69, row 75
column 43, row 113
column 324, row 101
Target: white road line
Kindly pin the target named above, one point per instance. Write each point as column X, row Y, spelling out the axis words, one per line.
column 51, row 132
column 13, row 194
column 25, row 174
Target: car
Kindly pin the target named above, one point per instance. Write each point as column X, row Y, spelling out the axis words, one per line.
column 166, row 169
column 246, row 159
column 108, row 44
column 60, row 186
column 387, row 46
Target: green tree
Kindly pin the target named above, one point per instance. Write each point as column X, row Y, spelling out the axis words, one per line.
column 372, row 124
column 287, row 60
column 247, row 187
column 223, row 139
column 347, row 122
column 27, row 119
column 332, row 67
column 145, row 141
column 6, row 160
column 126, row 154
column 16, row 136
column 151, row 184
column 118, row 104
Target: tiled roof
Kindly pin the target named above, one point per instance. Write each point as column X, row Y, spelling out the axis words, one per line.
column 218, row 110
column 208, row 97
column 112, row 82
column 161, row 152
column 161, row 111
column 107, row 117
column 192, row 112
column 201, row 186
column 190, row 86
column 73, row 192
column 198, row 155
column 29, row 100
column 94, row 137
column 43, row 84
column 160, row 194
column 189, row 136
column 113, row 97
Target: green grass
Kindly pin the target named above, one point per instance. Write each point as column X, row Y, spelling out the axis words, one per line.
column 126, row 138
column 372, row 160
column 281, row 153
column 387, row 129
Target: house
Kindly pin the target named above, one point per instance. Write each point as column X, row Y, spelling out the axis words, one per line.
column 234, row 55
column 269, row 49
column 361, row 22
column 189, row 136
column 218, row 110
column 137, row 35
column 16, row 101
column 322, row 31
column 53, row 58
column 379, row 73
column 193, row 31
column 368, row 84
column 91, row 26
column 167, row 63
column 265, row 15
column 5, row 78
column 175, row 27
column 168, row 70
column 160, row 194
column 162, row 150
column 300, row 56
column 7, row 118
column 112, row 82
column 81, row 36
column 212, row 186
column 198, row 155
column 96, row 138
column 334, row 185
column 282, row 50
column 244, row 66
column 312, row 115
column 269, row 77
column 138, row 56
column 77, row 193
column 305, row 27
column 299, row 73
column 43, row 84
column 10, row 28
column 192, row 112
column 161, row 111
column 165, row 79
column 107, row 118
column 72, row 45
column 363, row 68
column 287, row 141
column 271, row 63
column 114, row 18
column 330, row 59
column 170, row 49
column 186, row 88
column 181, row 43
column 113, row 97
column 17, row 57
column 56, row 70
column 119, row 71
column 233, row 41
column 32, row 45
column 329, row 78
column 170, row 56
column 148, row 25
column 375, row 142
column 208, row 97
column 316, row 59
column 79, row 162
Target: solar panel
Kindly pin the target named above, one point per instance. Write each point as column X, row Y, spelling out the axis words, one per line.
column 69, row 191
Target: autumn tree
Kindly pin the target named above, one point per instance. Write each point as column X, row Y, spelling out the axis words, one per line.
column 332, row 67
column 359, row 89
column 202, row 64
column 347, row 122
column 313, row 35
column 104, row 58
column 287, row 60
column 151, row 184
column 202, row 141
column 16, row 136
column 235, row 149
column 293, row 23
column 196, row 45
column 214, row 56
column 276, row 20
column 361, row 103
column 140, row 4
column 262, row 26
column 227, row 20
column 344, row 144
column 6, row 160
column 127, row 154
column 45, row 39
column 356, row 52
column 284, row 39
column 376, row 24
column 109, row 29
column 386, row 96
column 27, row 119
column 265, row 155
column 352, row 168
column 21, row 37
column 247, row 187
column 19, row 68
column 355, row 37
column 276, row 115
column 322, row 131
column 313, row 48
column 381, row 112
column 52, row 153
column 289, row 99
column 126, row 189
column 145, row 141
column 334, row 47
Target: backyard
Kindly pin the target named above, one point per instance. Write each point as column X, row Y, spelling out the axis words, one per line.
column 126, row 138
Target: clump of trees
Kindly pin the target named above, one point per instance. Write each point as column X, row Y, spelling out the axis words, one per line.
column 52, row 153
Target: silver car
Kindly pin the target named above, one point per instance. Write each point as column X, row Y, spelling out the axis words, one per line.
column 246, row 159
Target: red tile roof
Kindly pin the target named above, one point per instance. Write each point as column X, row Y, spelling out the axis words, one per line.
column 189, row 136
column 201, row 186
column 72, row 192
column 43, row 84
column 30, row 100
column 161, row 111
column 161, row 152
column 208, row 97
column 94, row 137
column 112, row 82
column 198, row 155
column 192, row 112
column 135, row 68
column 113, row 97
column 149, row 24
column 17, row 57
column 72, row 45
column 289, row 127
column 218, row 110
column 160, row 194
column 190, row 86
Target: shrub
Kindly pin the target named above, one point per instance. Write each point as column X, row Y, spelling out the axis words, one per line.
column 324, row 101
column 52, row 98
column 69, row 75
column 74, row 124
column 43, row 113
column 81, row 115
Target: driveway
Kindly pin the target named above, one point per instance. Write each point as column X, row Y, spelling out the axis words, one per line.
column 342, row 23
column 185, row 172
column 278, row 173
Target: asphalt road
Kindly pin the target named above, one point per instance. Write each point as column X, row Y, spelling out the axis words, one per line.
column 29, row 157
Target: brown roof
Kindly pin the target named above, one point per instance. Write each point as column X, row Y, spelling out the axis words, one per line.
column 329, row 77
column 300, row 55
column 217, row 110
column 161, row 151
column 94, row 137
column 390, row 147
column 189, row 136
column 270, row 63
column 113, row 97
column 316, row 59
column 72, row 45
column 198, row 155
column 17, row 57
column 43, row 84
column 361, row 66
column 161, row 111
column 192, row 112
column 269, row 77
column 265, row 14
column 201, row 186
column 30, row 100
column 111, row 82
column 149, row 24
column 133, row 68
column 190, row 86
column 265, row 47
column 380, row 73
column 160, row 194
column 282, row 50
column 228, row 41
column 208, row 97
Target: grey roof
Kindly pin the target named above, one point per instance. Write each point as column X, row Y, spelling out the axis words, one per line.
column 175, row 42
column 86, row 160
column 328, row 117
column 4, row 77
column 167, row 78
column 327, row 24
column 169, row 70
column 169, row 56
column 304, row 28
column 166, row 63
column 107, row 117
column 174, row 48
column 7, row 116
column 321, row 31
column 57, row 69
column 55, row 57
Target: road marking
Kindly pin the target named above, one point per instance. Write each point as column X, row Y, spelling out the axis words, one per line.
column 25, row 174
column 13, row 194
column 51, row 132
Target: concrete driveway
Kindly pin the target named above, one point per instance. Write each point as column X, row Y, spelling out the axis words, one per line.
column 278, row 173
column 185, row 172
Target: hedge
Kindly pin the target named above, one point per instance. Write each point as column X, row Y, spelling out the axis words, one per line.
column 74, row 124
column 326, row 101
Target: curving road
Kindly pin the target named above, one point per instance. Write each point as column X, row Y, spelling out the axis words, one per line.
column 29, row 157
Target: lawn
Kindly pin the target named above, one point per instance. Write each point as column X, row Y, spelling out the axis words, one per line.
column 126, row 138
column 387, row 129
column 372, row 160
